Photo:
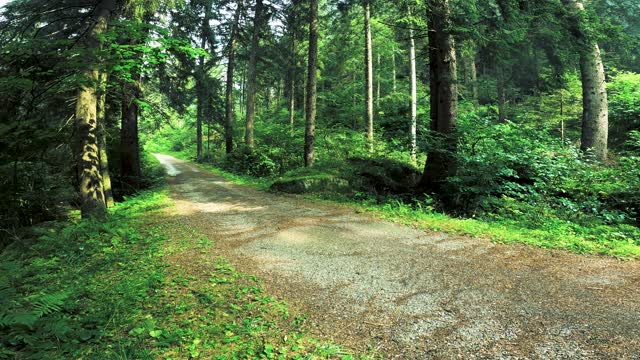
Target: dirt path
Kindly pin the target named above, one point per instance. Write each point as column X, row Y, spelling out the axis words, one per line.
column 405, row 293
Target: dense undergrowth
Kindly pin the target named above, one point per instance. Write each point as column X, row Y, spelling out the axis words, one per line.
column 516, row 181
column 109, row 290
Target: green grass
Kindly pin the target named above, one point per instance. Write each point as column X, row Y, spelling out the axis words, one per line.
column 617, row 241
column 555, row 236
column 116, row 290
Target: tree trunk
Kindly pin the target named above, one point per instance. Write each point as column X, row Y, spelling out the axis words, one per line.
column 474, row 79
column 292, row 88
column 595, row 111
column 200, row 103
column 595, row 117
column 228, row 117
column 378, row 80
column 102, row 141
column 393, row 63
column 444, row 97
column 414, row 96
column 91, row 188
column 368, row 63
column 502, row 98
column 252, row 82
column 130, row 168
column 312, row 74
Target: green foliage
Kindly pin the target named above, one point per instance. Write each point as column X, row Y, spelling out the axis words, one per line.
column 624, row 105
column 75, row 289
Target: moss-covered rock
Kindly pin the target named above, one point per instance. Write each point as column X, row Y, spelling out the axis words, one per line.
column 312, row 184
column 383, row 176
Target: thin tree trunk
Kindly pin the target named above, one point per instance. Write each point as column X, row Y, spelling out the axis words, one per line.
column 293, row 61
column 378, row 80
column 502, row 98
column 312, row 74
column 90, row 180
column 474, row 80
column 414, row 96
column 201, row 103
column 252, row 85
column 444, row 96
column 228, row 122
column 368, row 63
column 102, row 141
column 292, row 90
column 562, row 116
column 393, row 61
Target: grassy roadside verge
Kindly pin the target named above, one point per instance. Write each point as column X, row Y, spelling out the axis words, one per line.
column 125, row 288
column 601, row 240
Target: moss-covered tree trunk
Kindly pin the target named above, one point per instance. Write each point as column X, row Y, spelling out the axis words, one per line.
column 368, row 65
column 102, row 141
column 443, row 98
column 92, row 200
column 310, row 123
column 252, row 77
column 229, row 103
column 595, row 111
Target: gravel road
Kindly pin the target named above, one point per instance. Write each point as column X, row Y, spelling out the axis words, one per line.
column 405, row 293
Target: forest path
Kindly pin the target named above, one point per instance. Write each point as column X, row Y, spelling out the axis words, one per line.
column 410, row 294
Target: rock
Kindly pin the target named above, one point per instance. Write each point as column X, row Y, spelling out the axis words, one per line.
column 313, row 184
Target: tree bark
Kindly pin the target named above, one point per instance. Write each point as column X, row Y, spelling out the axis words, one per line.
column 595, row 107
column 102, row 141
column 368, row 63
column 502, row 98
column 378, row 80
column 130, row 167
column 312, row 77
column 444, row 97
column 394, row 75
column 200, row 95
column 474, row 79
column 252, row 79
column 91, row 188
column 414, row 96
column 229, row 115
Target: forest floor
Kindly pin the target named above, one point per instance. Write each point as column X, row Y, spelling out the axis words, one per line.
column 393, row 290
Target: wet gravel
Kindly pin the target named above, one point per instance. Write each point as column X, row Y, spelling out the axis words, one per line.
column 403, row 293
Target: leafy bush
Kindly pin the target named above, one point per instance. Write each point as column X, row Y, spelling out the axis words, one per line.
column 248, row 161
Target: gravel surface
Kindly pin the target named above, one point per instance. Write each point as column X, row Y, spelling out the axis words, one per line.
column 404, row 293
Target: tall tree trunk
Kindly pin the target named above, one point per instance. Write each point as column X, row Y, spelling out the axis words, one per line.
column 292, row 86
column 444, row 96
column 502, row 98
column 312, row 74
column 201, row 103
column 414, row 96
column 252, row 82
column 393, row 63
column 130, row 167
column 595, row 107
column 229, row 116
column 368, row 63
column 91, row 188
column 378, row 80
column 102, row 141
column 474, row 79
